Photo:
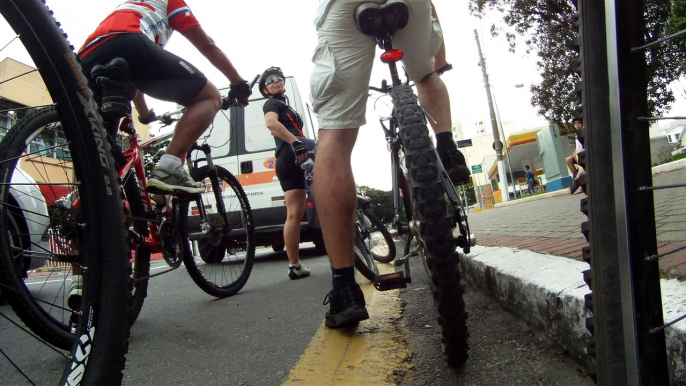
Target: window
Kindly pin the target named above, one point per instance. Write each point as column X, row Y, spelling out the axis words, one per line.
column 676, row 136
column 218, row 135
column 257, row 135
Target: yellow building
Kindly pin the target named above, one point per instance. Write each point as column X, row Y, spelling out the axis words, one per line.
column 21, row 89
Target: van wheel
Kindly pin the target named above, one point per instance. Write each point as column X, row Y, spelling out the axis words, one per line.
column 278, row 248
column 319, row 246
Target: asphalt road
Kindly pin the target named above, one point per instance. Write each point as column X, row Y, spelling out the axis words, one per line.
column 257, row 337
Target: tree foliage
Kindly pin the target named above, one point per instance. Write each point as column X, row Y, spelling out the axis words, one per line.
column 545, row 28
column 382, row 203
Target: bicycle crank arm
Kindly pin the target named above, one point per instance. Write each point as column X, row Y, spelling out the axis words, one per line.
column 402, row 260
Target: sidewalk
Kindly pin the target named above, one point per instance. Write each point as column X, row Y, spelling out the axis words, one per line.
column 528, row 256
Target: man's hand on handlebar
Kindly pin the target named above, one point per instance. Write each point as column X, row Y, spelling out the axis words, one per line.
column 238, row 95
column 149, row 119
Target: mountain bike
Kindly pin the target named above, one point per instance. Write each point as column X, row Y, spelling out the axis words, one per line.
column 88, row 346
column 429, row 200
column 158, row 224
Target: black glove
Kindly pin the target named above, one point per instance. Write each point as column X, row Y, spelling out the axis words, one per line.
column 150, row 118
column 299, row 148
column 236, row 92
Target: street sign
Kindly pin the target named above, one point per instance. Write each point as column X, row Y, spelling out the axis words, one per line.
column 476, row 168
column 464, row 143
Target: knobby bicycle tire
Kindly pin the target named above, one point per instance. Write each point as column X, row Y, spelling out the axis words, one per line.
column 140, row 270
column 435, row 226
column 388, row 255
column 364, row 262
column 221, row 255
column 98, row 355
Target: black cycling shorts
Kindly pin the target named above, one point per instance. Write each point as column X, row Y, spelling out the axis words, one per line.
column 154, row 71
column 291, row 176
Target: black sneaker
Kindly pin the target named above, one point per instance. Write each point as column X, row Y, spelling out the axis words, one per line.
column 346, row 307
column 456, row 166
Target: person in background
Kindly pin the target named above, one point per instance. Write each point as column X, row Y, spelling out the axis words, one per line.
column 573, row 160
column 291, row 151
column 529, row 179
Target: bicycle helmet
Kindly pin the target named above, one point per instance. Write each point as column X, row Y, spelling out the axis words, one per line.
column 265, row 75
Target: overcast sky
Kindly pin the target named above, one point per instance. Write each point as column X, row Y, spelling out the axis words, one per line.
column 257, row 34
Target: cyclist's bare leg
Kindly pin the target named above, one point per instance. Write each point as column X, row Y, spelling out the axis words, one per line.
column 197, row 118
column 295, row 208
column 434, row 99
column 334, row 190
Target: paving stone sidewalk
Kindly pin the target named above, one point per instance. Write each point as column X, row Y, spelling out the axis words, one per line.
column 552, row 225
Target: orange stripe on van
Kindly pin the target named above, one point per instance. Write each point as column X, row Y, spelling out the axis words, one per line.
column 257, row 178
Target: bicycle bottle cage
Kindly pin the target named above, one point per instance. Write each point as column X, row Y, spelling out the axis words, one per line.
column 114, row 90
column 382, row 20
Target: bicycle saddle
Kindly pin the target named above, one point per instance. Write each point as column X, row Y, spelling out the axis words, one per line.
column 115, row 90
column 382, row 20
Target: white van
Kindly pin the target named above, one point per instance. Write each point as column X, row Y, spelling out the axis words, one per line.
column 242, row 144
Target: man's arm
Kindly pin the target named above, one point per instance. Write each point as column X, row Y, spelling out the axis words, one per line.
column 141, row 106
column 197, row 36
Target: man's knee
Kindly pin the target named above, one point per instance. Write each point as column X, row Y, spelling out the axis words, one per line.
column 210, row 94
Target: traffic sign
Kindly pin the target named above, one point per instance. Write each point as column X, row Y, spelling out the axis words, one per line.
column 476, row 168
column 464, row 143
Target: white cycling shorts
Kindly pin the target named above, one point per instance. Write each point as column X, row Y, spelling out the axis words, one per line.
column 344, row 57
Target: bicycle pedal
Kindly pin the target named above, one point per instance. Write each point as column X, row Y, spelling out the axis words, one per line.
column 389, row 281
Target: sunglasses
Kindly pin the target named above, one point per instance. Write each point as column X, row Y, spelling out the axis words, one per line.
column 272, row 80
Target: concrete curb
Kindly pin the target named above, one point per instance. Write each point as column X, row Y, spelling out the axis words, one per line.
column 548, row 291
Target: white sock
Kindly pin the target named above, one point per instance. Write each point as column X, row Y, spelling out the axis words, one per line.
column 169, row 161
column 296, row 266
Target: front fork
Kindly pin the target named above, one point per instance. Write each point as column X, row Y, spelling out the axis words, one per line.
column 216, row 188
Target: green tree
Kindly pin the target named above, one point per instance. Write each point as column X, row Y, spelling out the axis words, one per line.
column 382, row 204
column 545, row 26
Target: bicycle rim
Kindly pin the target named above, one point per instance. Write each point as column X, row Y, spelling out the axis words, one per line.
column 377, row 238
column 224, row 261
column 96, row 353
column 364, row 262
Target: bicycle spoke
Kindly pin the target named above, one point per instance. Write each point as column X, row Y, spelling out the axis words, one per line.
column 32, row 335
column 15, row 365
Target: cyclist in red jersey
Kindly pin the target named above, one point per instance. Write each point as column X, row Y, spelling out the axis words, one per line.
column 137, row 31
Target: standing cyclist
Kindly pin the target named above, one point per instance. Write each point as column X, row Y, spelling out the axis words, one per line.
column 137, row 31
column 339, row 88
column 291, row 150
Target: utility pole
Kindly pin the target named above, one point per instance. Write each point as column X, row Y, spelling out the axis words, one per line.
column 497, row 144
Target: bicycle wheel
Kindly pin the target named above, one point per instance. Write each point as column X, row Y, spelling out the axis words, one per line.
column 376, row 237
column 364, row 262
column 225, row 261
column 137, row 215
column 435, row 242
column 91, row 237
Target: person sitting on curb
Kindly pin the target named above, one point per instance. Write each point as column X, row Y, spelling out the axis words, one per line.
column 573, row 160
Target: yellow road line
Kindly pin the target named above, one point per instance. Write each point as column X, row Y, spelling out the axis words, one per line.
column 371, row 354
